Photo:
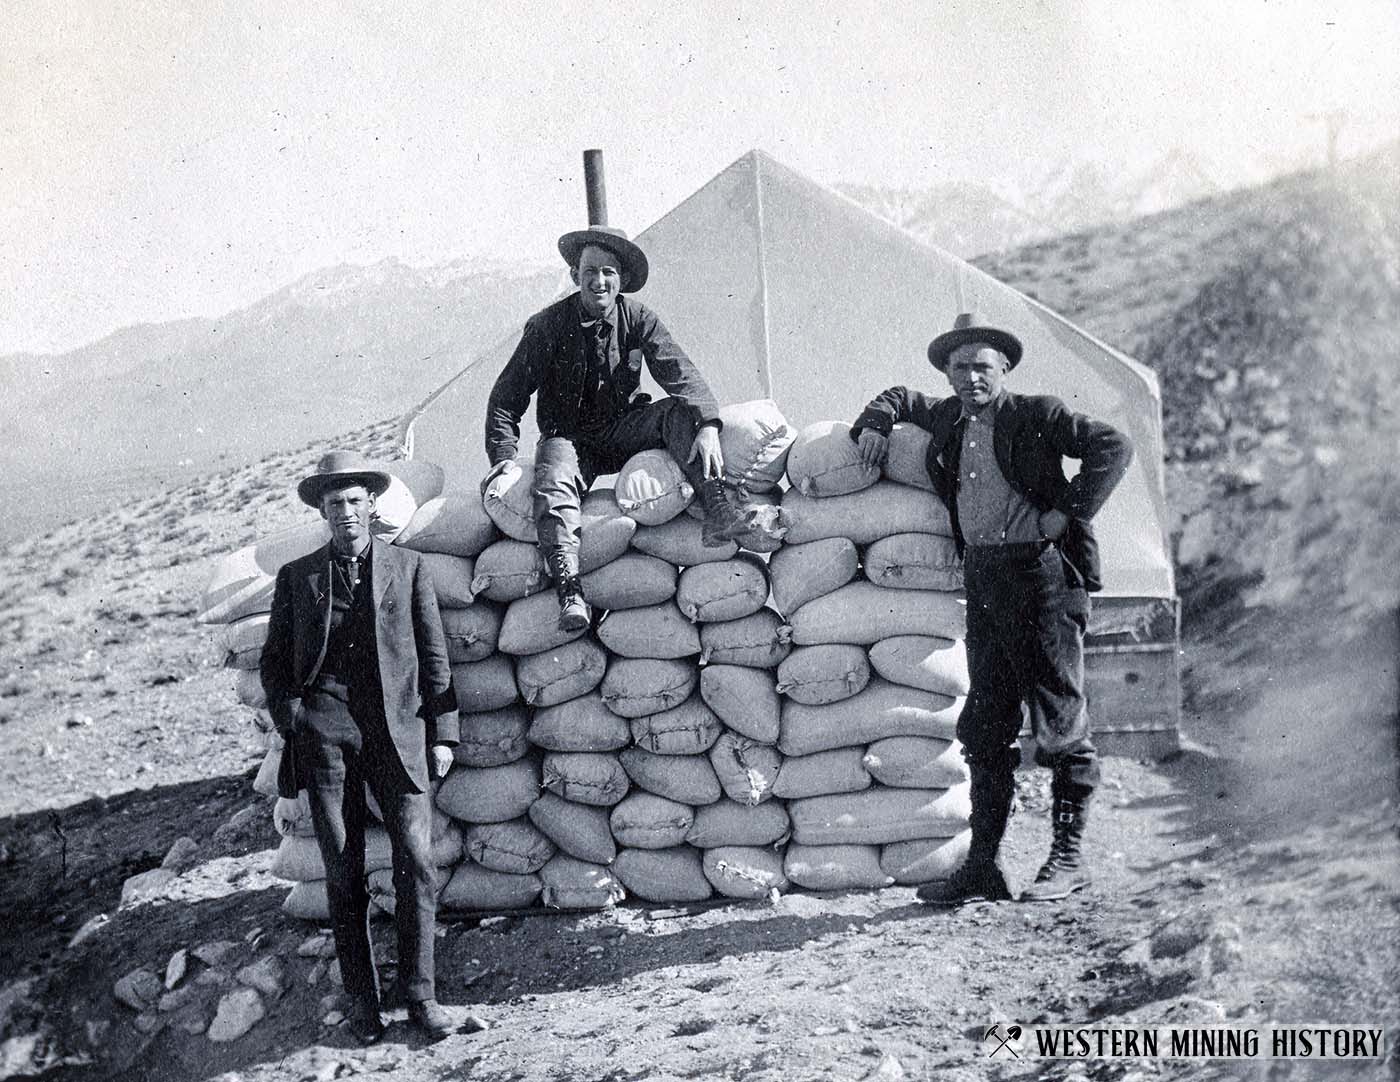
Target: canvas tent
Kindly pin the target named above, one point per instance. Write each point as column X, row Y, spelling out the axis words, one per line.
column 780, row 288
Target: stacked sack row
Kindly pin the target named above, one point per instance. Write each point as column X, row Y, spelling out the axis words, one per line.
column 602, row 762
column 722, row 705
column 870, row 582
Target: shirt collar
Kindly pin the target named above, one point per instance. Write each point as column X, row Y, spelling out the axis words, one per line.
column 988, row 412
column 362, row 555
column 610, row 319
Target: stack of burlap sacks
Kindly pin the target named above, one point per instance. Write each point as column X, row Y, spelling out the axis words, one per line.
column 870, row 582
column 737, row 721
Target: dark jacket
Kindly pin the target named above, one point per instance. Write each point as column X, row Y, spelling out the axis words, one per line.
column 1030, row 435
column 552, row 359
column 420, row 704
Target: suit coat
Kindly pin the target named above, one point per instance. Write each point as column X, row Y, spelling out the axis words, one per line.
column 552, row 358
column 420, row 704
column 1031, row 434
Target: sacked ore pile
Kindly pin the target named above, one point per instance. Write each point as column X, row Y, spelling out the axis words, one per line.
column 775, row 714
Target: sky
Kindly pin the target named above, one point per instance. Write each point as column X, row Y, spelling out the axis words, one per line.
column 160, row 160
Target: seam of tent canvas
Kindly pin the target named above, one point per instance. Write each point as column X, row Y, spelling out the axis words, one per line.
column 763, row 278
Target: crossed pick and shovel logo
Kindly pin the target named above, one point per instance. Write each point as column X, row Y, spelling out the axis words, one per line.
column 1005, row 1041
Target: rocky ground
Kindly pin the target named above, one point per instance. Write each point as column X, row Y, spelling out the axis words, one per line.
column 1253, row 876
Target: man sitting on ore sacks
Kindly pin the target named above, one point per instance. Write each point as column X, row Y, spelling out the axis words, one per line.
column 1029, row 562
column 358, row 683
column 583, row 356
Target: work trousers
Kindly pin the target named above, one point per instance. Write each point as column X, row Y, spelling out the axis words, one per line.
column 336, row 771
column 1026, row 617
column 565, row 468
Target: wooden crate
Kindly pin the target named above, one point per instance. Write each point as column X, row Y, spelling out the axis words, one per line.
column 1132, row 678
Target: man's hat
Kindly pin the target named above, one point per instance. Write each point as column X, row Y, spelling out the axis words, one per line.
column 337, row 469
column 967, row 328
column 634, row 261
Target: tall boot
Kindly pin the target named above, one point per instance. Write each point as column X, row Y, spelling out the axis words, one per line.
column 573, row 610
column 725, row 519
column 1064, row 872
column 980, row 878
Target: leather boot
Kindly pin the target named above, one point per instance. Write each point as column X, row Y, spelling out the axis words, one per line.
column 364, row 1020
column 1064, row 872
column 429, row 1016
column 725, row 519
column 573, row 610
column 980, row 878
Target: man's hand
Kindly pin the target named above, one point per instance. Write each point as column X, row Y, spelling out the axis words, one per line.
column 296, row 713
column 506, row 465
column 1053, row 524
column 706, row 446
column 873, row 447
column 442, row 759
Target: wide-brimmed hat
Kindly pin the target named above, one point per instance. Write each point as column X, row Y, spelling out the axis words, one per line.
column 338, row 469
column 968, row 328
column 634, row 261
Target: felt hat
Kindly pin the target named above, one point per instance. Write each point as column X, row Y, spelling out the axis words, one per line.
column 632, row 259
column 338, row 469
column 967, row 329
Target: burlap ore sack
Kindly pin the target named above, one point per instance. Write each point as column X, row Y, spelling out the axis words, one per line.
column 824, row 461
column 862, row 517
column 456, row 524
column 515, row 846
column 485, row 685
column 826, row 673
column 581, row 830
column 585, row 777
column 726, row 823
column 491, row 794
column 582, row 724
column 473, row 887
column 562, row 673
column 687, row 729
column 839, row 770
column 802, row 572
column 651, row 488
column 635, row 687
column 663, row 875
column 759, row 641
column 835, row 867
column 738, row 871
column 879, row 815
column 493, row 737
column 570, row 883
column 744, row 699
column 647, row 821
column 687, row 779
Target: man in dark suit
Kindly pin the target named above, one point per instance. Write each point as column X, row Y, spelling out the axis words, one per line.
column 582, row 358
column 358, row 683
column 1029, row 562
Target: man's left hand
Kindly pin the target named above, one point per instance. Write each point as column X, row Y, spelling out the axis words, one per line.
column 442, row 760
column 706, row 446
column 1053, row 524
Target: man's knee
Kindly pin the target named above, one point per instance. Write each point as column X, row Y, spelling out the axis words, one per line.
column 556, row 466
column 988, row 725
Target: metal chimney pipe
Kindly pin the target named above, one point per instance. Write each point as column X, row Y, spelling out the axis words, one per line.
column 595, row 186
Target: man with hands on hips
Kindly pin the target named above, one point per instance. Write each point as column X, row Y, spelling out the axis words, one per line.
column 1030, row 561
column 581, row 359
column 359, row 685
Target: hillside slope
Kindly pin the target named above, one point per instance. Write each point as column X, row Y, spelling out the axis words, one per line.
column 158, row 405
